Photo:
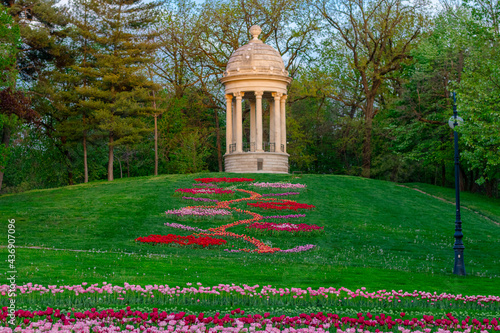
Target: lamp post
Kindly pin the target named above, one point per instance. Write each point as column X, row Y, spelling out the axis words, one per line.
column 459, row 268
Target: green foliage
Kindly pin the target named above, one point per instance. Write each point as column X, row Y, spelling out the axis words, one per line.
column 479, row 92
column 5, row 120
column 35, row 162
column 115, row 87
column 382, row 102
column 189, row 150
column 9, row 43
column 460, row 55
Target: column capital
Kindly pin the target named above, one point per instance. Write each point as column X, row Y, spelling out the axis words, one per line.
column 258, row 93
column 229, row 97
column 239, row 94
column 277, row 95
column 284, row 97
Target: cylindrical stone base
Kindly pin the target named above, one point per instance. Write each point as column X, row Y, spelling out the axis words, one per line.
column 256, row 162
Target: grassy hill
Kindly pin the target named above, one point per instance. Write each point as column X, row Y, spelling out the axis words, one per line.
column 377, row 235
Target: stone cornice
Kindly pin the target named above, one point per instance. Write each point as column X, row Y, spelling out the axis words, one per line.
column 253, row 76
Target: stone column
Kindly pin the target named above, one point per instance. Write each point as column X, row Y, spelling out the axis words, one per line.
column 258, row 127
column 277, row 122
column 239, row 123
column 271, row 121
column 283, row 121
column 252, row 123
column 229, row 122
column 234, row 120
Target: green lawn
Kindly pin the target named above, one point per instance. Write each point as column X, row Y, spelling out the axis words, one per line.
column 377, row 235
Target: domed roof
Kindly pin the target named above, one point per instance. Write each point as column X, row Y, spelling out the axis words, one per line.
column 255, row 57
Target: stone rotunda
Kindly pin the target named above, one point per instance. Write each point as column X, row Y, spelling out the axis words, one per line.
column 256, row 72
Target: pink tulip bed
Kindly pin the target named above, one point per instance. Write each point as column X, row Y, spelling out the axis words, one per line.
column 199, row 212
column 130, row 320
column 85, row 295
column 200, row 199
column 204, row 192
column 209, row 192
column 81, row 308
column 280, row 186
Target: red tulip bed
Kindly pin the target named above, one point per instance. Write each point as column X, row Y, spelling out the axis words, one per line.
column 181, row 240
column 223, row 180
column 258, row 201
column 129, row 320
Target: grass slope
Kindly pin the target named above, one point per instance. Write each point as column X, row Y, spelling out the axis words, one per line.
column 377, row 234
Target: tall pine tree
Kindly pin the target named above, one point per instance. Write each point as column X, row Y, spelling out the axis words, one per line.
column 117, row 88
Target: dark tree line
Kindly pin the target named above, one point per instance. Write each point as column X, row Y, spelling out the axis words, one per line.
column 120, row 88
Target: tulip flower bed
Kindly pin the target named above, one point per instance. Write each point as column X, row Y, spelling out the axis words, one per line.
column 184, row 227
column 284, row 205
column 223, row 208
column 279, row 185
column 200, row 199
column 199, row 212
column 285, row 228
column 286, row 217
column 33, row 295
column 205, row 185
column 128, row 320
column 181, row 240
column 223, row 180
column 284, row 194
column 204, row 191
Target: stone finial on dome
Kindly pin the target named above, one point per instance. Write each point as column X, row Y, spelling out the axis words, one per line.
column 255, row 31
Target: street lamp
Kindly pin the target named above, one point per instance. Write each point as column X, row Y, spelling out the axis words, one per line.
column 459, row 247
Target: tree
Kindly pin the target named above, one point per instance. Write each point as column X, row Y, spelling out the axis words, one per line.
column 9, row 42
column 479, row 92
column 379, row 35
column 418, row 116
column 83, row 119
column 14, row 108
column 42, row 30
column 326, row 99
column 175, row 33
column 120, row 90
column 10, row 38
column 43, row 53
column 198, row 41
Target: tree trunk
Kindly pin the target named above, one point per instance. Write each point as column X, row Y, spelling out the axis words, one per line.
column 156, row 144
column 128, row 164
column 463, row 180
column 217, row 131
column 195, row 169
column 367, row 149
column 66, row 153
column 1, row 176
column 120, row 165
column 443, row 174
column 5, row 141
column 110, row 158
column 471, row 182
column 367, row 144
column 489, row 185
column 70, row 171
column 85, row 165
